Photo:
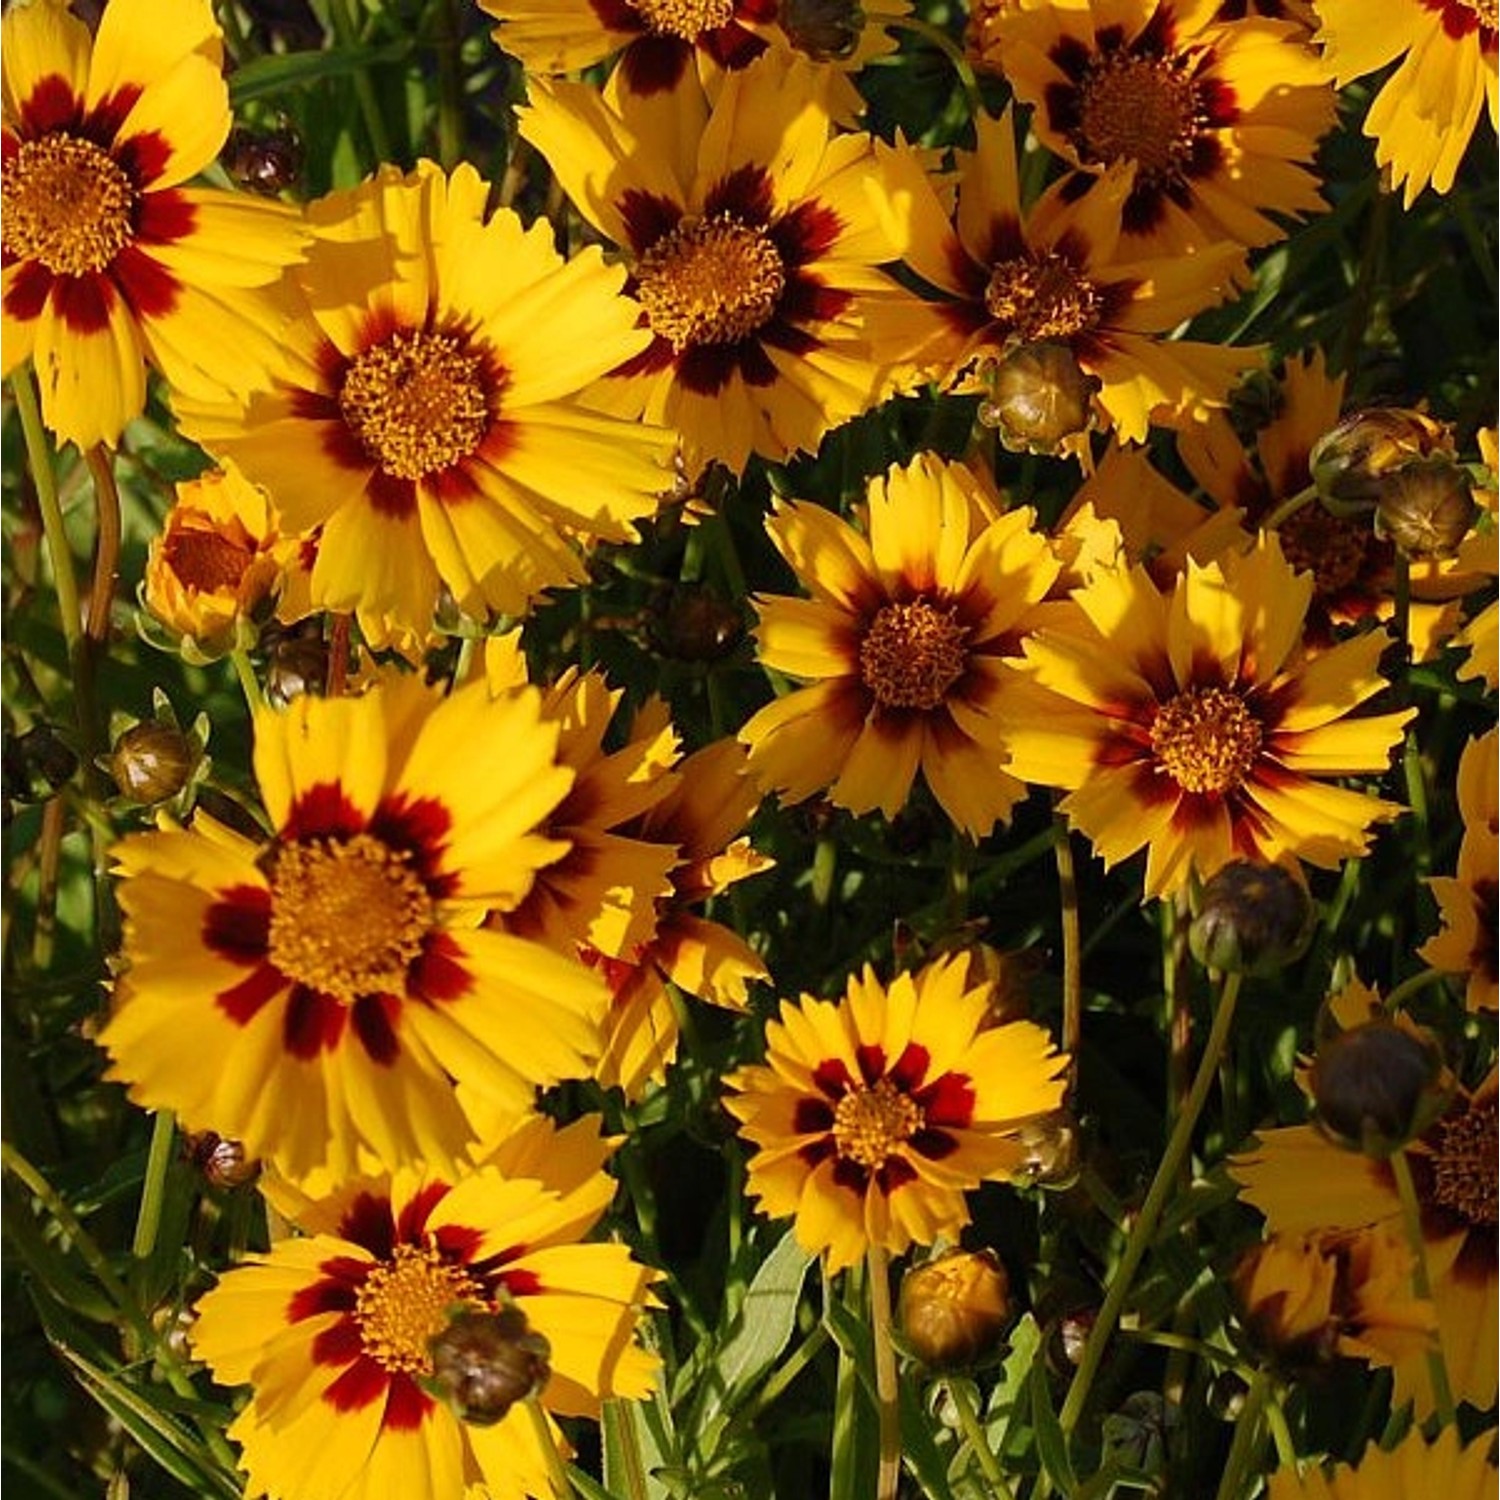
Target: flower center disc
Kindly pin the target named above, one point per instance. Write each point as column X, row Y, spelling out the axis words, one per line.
column 406, row 1302
column 65, row 203
column 347, row 919
column 710, row 281
column 868, row 1124
column 417, row 402
column 208, row 561
column 1138, row 109
column 1040, row 297
column 1206, row 740
column 1485, row 12
column 1464, row 1176
column 1333, row 550
column 687, row 19
column 912, row 654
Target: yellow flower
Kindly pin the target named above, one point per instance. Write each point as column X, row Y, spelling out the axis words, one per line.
column 219, row 559
column 1467, row 899
column 754, row 233
column 334, row 1332
column 1424, row 114
column 318, row 995
column 874, row 1115
column 1061, row 272
column 112, row 264
column 1302, row 1182
column 1413, row 1467
column 902, row 639
column 421, row 411
column 1190, row 723
column 1220, row 118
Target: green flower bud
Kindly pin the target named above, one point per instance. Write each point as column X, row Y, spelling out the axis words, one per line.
column 1377, row 1086
column 824, row 30
column 1350, row 460
column 1040, row 398
column 152, row 761
column 1252, row 919
column 1426, row 507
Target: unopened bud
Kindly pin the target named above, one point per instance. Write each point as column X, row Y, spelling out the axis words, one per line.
column 265, row 161
column 1350, row 460
column 151, row 761
column 1286, row 1288
column 1426, row 508
column 484, row 1362
column 954, row 1309
column 695, row 624
column 222, row 1161
column 36, row 764
column 1252, row 919
column 1051, row 1145
column 1377, row 1086
column 1039, row 398
column 295, row 665
column 824, row 30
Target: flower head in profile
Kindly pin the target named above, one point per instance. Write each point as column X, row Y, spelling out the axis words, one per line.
column 1059, row 273
column 1425, row 112
column 1220, row 119
column 1302, row 1182
column 874, row 1115
column 1466, row 944
column 1189, row 722
column 902, row 642
column 341, row 1334
column 753, row 233
column 319, row 994
column 218, row 563
column 422, row 409
column 111, row 264
column 702, row 822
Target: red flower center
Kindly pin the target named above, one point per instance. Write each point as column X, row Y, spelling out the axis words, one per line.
column 1464, row 1178
column 65, row 203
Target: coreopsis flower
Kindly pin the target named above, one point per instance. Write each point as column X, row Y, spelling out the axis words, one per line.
column 1302, row 1182
column 1220, row 118
column 1414, row 1466
column 422, row 412
column 111, row 264
column 602, row 894
column 1424, row 114
column 1189, row 723
column 753, row 233
column 218, row 563
column 347, row 1337
column 1467, row 899
column 873, row 1115
column 702, row 819
column 902, row 642
column 1307, row 1299
column 1060, row 272
column 318, row 995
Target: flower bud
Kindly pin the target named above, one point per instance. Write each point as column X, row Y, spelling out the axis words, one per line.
column 152, row 761
column 1051, row 1145
column 824, row 30
column 1252, row 919
column 1377, row 1086
column 695, row 624
column 1039, row 398
column 1287, row 1288
column 954, row 1309
column 1426, row 507
column 222, row 1161
column 1349, row 461
column 265, row 161
column 484, row 1362
column 295, row 664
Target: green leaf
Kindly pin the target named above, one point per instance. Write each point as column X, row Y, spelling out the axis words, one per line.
column 267, row 76
column 637, row 1445
column 1051, row 1443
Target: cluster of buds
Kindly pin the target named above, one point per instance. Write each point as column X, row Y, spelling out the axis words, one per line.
column 1400, row 466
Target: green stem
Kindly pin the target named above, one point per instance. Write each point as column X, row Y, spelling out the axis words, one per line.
column 39, row 456
column 450, row 119
column 346, row 29
column 1411, row 1215
column 1072, row 945
column 1289, row 508
column 1281, row 1434
column 153, row 1190
column 1249, row 1435
column 887, row 1394
column 1144, row 1229
column 557, row 1470
column 1411, row 986
column 953, row 52
column 107, row 548
column 1357, row 313
column 790, row 1368
column 974, row 1435
column 249, row 683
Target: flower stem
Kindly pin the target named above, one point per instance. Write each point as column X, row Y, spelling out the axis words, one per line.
column 249, row 683
column 450, row 119
column 107, row 549
column 39, row 455
column 557, row 1470
column 1289, row 508
column 1410, row 986
column 887, row 1396
column 790, row 1368
column 346, row 28
column 952, row 51
column 153, row 1190
column 968, row 1419
column 1144, row 1229
column 1249, row 1436
column 1411, row 1215
column 1072, row 945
